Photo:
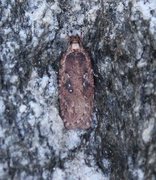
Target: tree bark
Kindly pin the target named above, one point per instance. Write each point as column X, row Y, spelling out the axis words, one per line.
column 120, row 37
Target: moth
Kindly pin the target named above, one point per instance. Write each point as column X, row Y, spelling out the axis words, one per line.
column 76, row 86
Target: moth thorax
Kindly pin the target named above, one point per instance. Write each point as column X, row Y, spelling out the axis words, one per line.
column 75, row 46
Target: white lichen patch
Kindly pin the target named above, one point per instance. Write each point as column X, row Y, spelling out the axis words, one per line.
column 76, row 5
column 61, row 140
column 59, row 174
column 92, row 14
column 42, row 18
column 3, row 172
column 142, row 63
column 70, row 140
column 41, row 113
column 2, row 133
column 2, row 106
column 78, row 169
column 23, row 35
column 36, row 108
column 145, row 7
column 137, row 104
column 78, row 14
column 153, row 25
column 22, row 108
column 120, row 7
column 51, row 126
column 14, row 79
column 148, row 12
column 105, row 66
column 55, row 7
column 106, row 163
column 138, row 174
column 147, row 132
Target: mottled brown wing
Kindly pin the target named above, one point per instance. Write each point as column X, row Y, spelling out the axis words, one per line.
column 76, row 90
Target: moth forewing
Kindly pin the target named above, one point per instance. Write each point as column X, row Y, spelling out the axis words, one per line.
column 76, row 86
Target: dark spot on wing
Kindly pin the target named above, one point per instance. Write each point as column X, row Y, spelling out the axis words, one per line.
column 68, row 86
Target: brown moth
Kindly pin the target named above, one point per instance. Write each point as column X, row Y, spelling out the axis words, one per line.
column 76, row 86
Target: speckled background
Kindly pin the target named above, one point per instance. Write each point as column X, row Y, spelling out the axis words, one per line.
column 121, row 39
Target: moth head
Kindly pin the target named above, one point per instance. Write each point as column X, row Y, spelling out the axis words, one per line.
column 75, row 42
